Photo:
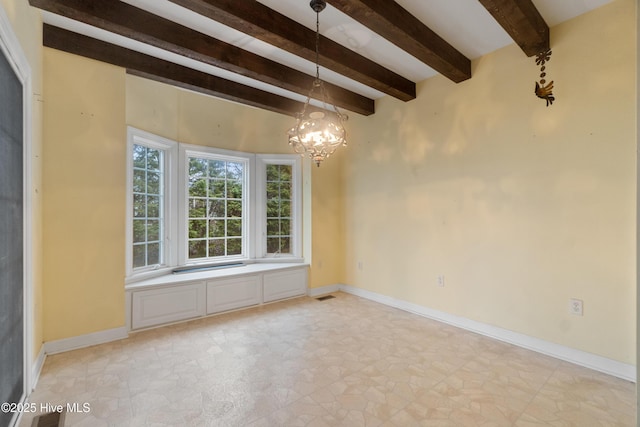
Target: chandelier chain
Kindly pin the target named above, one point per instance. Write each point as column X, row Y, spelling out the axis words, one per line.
column 317, row 45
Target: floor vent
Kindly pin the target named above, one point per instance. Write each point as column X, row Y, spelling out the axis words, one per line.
column 324, row 298
column 52, row 419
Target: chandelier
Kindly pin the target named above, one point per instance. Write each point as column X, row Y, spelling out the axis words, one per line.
column 318, row 131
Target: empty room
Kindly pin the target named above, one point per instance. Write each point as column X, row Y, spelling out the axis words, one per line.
column 309, row 213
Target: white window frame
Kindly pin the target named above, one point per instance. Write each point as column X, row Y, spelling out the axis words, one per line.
column 294, row 160
column 170, row 149
column 177, row 197
column 248, row 215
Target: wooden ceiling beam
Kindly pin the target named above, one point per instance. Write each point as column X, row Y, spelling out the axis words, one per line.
column 401, row 28
column 139, row 64
column 264, row 23
column 522, row 21
column 145, row 27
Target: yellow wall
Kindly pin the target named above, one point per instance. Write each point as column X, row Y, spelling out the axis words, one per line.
column 519, row 206
column 327, row 264
column 27, row 26
column 83, row 195
column 192, row 118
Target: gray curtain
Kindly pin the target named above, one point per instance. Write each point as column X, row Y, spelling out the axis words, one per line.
column 11, row 238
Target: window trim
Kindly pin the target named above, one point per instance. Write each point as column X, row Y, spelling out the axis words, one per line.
column 170, row 149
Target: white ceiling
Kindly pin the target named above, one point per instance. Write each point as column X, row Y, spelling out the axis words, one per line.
column 465, row 24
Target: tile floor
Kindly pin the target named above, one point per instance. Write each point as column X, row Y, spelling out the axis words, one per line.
column 341, row 362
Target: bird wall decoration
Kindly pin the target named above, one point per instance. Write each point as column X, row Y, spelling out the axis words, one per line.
column 542, row 90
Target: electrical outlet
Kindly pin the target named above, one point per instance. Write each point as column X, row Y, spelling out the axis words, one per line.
column 575, row 306
column 360, row 265
column 441, row 281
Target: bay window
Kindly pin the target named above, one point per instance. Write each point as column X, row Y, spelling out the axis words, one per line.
column 193, row 205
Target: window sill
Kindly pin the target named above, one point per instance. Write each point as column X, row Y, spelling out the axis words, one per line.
column 150, row 275
column 170, row 279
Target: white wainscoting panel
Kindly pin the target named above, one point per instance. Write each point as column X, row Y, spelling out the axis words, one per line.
column 227, row 294
column 284, row 284
column 164, row 305
column 179, row 297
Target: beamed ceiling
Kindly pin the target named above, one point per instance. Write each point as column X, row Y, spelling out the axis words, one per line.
column 262, row 53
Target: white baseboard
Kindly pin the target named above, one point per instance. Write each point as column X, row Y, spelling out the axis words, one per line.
column 578, row 357
column 73, row 343
column 323, row 290
column 36, row 368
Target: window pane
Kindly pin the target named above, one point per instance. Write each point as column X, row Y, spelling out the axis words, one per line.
column 139, row 181
column 234, row 171
column 273, row 190
column 234, row 227
column 197, row 177
column 197, row 228
column 197, row 249
column 273, row 208
column 139, row 206
column 272, row 172
column 197, row 168
column 153, row 159
column 216, row 228
column 285, row 245
column 216, row 188
column 285, row 191
column 285, row 173
column 234, row 189
column 216, row 247
column 139, row 156
column 153, row 254
column 153, row 183
column 285, row 227
column 153, row 207
column 139, row 230
column 234, row 246
column 217, row 208
column 273, row 245
column 285, row 209
column 153, row 231
column 139, row 258
column 197, row 208
column 216, row 169
column 273, row 227
column 234, row 208
column 197, row 187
